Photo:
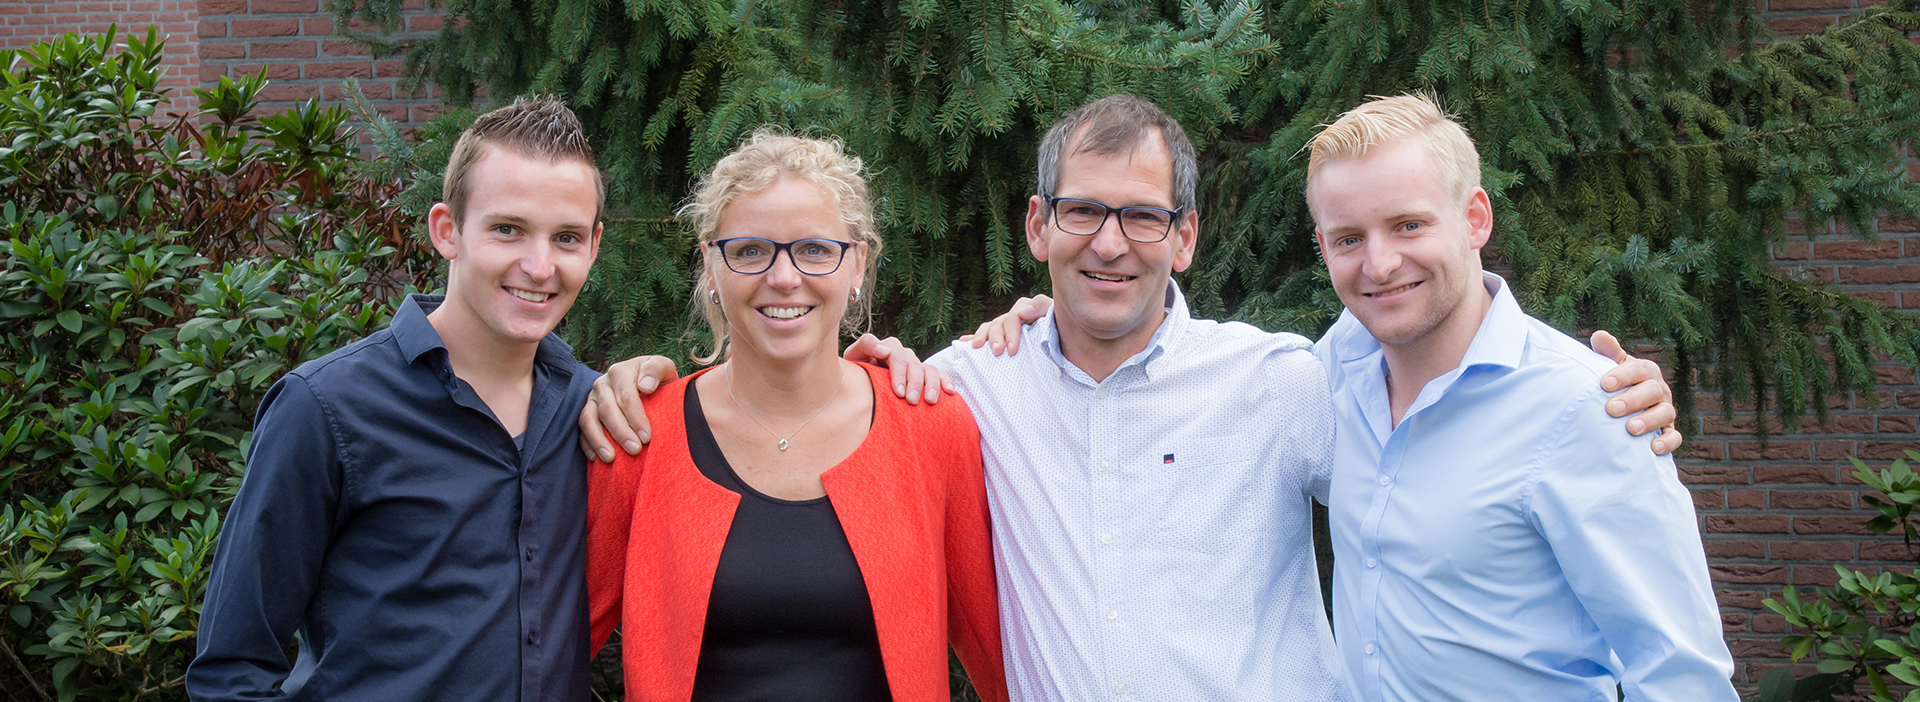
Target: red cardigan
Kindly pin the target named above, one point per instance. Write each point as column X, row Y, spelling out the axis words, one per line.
column 911, row 499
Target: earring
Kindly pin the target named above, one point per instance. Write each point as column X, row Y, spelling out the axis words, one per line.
column 713, row 296
column 855, row 297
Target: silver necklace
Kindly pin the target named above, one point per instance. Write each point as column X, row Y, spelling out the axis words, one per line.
column 763, row 425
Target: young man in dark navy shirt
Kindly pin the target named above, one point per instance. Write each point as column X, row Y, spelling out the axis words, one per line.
column 413, row 502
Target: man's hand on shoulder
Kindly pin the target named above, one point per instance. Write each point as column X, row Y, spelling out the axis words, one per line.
column 912, row 378
column 1646, row 392
column 614, row 406
column 1003, row 332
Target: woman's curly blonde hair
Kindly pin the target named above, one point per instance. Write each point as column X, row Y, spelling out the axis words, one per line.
column 766, row 157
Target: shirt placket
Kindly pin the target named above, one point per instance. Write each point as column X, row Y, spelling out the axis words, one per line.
column 1111, row 514
column 1373, row 571
column 532, row 664
column 533, row 634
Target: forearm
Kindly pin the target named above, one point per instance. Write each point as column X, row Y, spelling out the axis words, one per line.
column 266, row 568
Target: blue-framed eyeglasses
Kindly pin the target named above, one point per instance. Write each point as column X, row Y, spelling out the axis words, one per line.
column 752, row 255
column 1138, row 223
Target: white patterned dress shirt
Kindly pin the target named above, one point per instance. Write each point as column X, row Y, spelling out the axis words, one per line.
column 1152, row 532
column 1509, row 540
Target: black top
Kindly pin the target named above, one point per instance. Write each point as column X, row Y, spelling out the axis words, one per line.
column 388, row 518
column 789, row 617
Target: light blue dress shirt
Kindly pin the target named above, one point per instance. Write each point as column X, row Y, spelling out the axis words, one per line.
column 1152, row 531
column 1509, row 540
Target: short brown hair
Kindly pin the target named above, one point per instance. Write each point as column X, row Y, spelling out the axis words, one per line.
column 1117, row 124
column 1385, row 120
column 534, row 126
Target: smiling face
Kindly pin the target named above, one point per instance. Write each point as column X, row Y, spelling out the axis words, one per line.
column 1107, row 288
column 1404, row 255
column 782, row 314
column 517, row 259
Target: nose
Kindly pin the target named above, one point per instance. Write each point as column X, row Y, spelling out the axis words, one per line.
column 783, row 275
column 1110, row 243
column 1381, row 260
column 538, row 261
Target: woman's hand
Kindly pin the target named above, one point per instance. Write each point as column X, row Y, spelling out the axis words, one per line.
column 1003, row 332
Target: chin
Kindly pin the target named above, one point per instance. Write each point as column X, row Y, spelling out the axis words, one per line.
column 1112, row 323
column 1392, row 330
column 792, row 348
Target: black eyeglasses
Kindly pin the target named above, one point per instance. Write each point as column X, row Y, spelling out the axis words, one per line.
column 753, row 256
column 1138, row 223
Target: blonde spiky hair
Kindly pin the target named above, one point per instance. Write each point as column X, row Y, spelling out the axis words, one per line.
column 1384, row 120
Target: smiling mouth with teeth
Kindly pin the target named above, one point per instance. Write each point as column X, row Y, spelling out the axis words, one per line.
column 1108, row 277
column 785, row 312
column 1395, row 291
column 529, row 295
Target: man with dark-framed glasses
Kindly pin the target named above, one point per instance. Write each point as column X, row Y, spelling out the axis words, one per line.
column 1139, row 223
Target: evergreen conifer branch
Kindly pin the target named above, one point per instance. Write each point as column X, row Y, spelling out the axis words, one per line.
column 1640, row 174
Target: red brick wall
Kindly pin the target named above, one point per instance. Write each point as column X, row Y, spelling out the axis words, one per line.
column 293, row 40
column 26, row 22
column 1786, row 515
column 208, row 39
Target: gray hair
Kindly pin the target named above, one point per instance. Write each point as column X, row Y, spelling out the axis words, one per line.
column 1117, row 124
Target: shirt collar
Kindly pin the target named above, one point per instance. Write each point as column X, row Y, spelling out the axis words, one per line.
column 416, row 335
column 1165, row 337
column 1502, row 337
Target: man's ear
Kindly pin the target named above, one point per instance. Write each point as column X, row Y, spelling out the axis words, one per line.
column 442, row 230
column 1319, row 239
column 1479, row 219
column 1037, row 227
column 593, row 248
column 1186, row 239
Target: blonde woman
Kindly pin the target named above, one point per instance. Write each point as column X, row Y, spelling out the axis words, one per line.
column 793, row 530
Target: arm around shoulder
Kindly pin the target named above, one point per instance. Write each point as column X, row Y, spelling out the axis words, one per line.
column 1298, row 390
column 272, row 546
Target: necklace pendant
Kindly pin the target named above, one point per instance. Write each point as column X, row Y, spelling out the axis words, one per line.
column 783, row 444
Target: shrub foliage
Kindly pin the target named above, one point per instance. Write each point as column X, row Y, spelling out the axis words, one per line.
column 158, row 272
column 1862, row 626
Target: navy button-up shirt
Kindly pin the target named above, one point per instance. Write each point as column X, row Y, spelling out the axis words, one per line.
column 418, row 550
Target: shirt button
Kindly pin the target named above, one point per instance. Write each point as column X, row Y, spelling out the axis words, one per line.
column 1106, row 538
column 1101, row 466
column 1101, row 392
column 529, row 555
column 1369, row 649
column 1371, row 563
column 1119, row 688
column 1113, row 614
column 532, row 638
column 1385, row 480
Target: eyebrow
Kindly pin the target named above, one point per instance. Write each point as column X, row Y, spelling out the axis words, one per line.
column 491, row 219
